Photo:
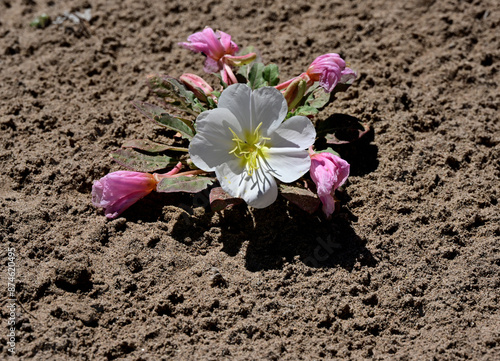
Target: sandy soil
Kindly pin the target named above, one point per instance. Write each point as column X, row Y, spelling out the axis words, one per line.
column 407, row 270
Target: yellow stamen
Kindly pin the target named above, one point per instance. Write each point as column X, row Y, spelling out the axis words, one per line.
column 250, row 149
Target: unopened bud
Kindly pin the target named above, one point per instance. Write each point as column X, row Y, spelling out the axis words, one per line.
column 295, row 92
column 197, row 85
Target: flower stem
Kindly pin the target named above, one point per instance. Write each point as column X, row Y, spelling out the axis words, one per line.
column 189, row 173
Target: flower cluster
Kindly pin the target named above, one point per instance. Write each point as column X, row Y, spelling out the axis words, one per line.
column 245, row 140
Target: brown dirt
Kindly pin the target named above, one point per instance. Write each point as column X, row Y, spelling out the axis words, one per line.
column 407, row 270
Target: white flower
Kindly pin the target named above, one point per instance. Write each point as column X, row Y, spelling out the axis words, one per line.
column 247, row 144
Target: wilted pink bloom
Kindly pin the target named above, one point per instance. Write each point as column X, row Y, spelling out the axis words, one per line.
column 347, row 76
column 328, row 69
column 328, row 172
column 117, row 191
column 196, row 83
column 213, row 44
column 220, row 51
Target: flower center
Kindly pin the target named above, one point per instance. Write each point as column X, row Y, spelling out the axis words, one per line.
column 248, row 150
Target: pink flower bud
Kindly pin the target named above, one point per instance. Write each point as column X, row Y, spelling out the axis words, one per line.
column 195, row 83
column 328, row 172
column 117, row 191
column 330, row 69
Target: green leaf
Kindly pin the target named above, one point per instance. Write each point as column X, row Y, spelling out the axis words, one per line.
column 184, row 184
column 306, row 110
column 175, row 93
column 259, row 75
column 255, row 78
column 220, row 200
column 242, row 74
column 139, row 162
column 175, row 124
column 160, row 116
column 149, row 146
column 318, row 98
column 158, row 86
column 329, row 150
column 211, row 103
column 183, row 95
column 303, row 198
column 271, row 74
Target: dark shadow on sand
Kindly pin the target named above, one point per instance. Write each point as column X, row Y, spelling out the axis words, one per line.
column 359, row 153
column 282, row 232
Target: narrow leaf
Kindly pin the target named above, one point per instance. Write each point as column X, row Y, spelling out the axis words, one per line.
column 139, row 162
column 160, row 116
column 172, row 91
column 304, row 198
column 220, row 200
column 158, row 86
column 175, row 124
column 183, row 184
column 149, row 146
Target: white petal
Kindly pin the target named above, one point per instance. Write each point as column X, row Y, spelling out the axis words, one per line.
column 217, row 121
column 288, row 164
column 296, row 132
column 236, row 98
column 259, row 191
column 230, row 176
column 269, row 107
column 212, row 143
